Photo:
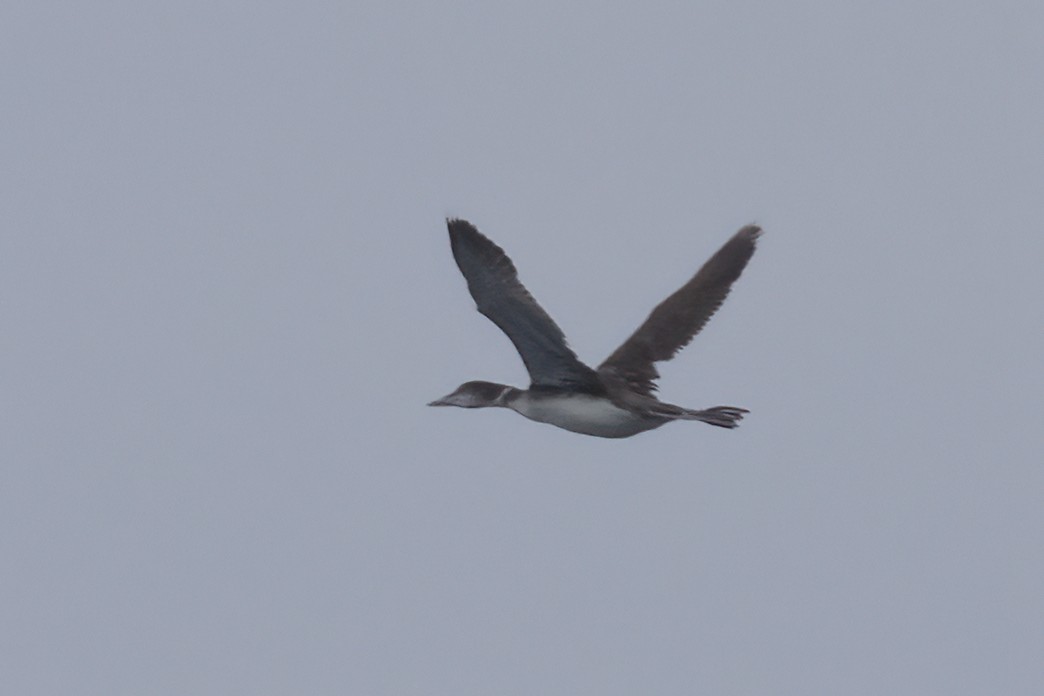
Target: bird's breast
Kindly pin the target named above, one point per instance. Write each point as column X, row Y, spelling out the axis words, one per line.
column 583, row 413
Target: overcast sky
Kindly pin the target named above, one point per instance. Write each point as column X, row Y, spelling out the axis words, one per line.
column 226, row 294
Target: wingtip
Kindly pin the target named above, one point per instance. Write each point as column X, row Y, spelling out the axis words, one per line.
column 751, row 231
column 458, row 226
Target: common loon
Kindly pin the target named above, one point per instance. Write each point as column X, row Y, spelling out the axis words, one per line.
column 617, row 399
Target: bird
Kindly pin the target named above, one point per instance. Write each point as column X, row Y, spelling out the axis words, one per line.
column 618, row 399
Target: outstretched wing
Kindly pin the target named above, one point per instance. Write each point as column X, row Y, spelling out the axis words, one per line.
column 676, row 320
column 493, row 283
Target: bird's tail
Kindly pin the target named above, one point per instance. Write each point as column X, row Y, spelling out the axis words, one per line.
column 721, row 416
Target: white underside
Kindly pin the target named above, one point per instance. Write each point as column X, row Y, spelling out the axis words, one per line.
column 582, row 413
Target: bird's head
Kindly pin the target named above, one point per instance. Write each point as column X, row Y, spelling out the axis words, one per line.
column 475, row 395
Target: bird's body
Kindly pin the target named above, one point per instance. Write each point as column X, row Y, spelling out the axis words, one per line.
column 616, row 400
column 581, row 413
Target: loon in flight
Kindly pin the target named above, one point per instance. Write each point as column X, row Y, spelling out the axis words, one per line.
column 617, row 399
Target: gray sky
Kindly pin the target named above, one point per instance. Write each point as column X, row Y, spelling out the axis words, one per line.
column 227, row 294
